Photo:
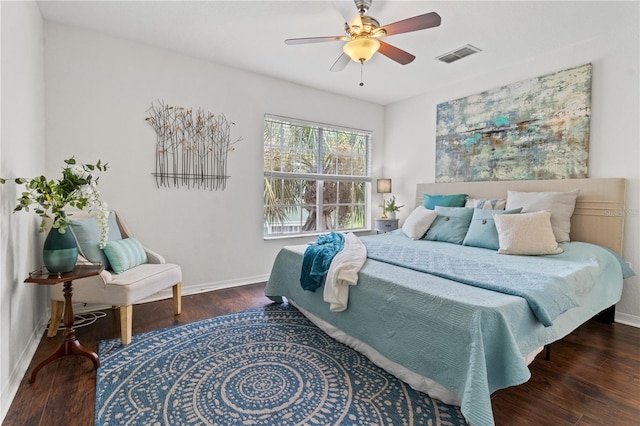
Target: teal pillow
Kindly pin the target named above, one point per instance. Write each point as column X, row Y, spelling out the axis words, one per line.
column 451, row 225
column 482, row 230
column 87, row 233
column 125, row 254
column 453, row 200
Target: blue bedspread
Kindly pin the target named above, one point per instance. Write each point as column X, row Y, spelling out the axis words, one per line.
column 547, row 293
column 317, row 259
column 470, row 340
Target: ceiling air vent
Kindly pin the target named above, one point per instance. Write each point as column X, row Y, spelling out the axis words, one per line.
column 459, row 53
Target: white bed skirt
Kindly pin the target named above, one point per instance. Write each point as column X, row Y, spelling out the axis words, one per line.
column 416, row 381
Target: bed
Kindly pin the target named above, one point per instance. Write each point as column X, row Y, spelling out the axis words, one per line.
column 458, row 342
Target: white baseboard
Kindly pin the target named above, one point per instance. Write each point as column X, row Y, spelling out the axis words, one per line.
column 628, row 319
column 188, row 290
column 201, row 288
column 10, row 388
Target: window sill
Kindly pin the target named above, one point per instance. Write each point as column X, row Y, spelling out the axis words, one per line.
column 314, row 235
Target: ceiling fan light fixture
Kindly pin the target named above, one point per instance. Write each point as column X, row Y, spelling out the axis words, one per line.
column 361, row 49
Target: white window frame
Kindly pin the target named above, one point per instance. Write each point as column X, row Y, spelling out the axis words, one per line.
column 289, row 230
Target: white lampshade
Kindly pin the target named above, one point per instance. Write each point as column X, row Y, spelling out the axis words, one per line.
column 361, row 49
column 384, row 186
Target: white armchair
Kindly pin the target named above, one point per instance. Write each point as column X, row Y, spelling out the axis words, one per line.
column 119, row 290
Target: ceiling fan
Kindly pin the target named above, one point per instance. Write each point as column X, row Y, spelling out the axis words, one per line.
column 363, row 34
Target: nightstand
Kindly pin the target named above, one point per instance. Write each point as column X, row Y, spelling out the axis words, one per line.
column 386, row 225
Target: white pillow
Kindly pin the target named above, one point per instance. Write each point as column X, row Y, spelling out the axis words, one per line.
column 418, row 222
column 526, row 233
column 561, row 205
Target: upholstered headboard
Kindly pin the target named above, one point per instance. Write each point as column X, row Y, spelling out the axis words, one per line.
column 597, row 219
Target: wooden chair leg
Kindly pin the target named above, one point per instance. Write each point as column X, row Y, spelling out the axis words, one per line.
column 57, row 308
column 177, row 299
column 126, row 313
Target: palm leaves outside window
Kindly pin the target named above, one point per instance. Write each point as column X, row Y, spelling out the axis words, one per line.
column 316, row 177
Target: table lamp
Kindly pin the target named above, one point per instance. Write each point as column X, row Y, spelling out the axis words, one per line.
column 384, row 187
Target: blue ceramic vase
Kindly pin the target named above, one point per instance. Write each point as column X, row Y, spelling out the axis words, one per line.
column 60, row 251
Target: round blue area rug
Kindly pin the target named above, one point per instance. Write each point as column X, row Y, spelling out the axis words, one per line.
column 264, row 366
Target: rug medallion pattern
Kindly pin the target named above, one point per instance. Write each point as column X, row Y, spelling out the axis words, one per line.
column 264, row 366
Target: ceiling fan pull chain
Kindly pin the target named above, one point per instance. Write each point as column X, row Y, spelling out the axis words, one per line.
column 361, row 71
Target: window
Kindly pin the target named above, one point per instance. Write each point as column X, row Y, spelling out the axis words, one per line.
column 316, row 177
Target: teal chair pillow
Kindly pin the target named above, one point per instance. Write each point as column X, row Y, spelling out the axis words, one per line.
column 452, row 200
column 87, row 233
column 482, row 230
column 451, row 225
column 125, row 254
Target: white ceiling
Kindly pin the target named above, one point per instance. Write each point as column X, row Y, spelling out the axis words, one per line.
column 250, row 35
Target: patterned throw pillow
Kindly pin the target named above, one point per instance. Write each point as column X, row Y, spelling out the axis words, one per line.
column 125, row 254
column 486, row 203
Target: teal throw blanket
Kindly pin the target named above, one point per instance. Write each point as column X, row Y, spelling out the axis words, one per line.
column 317, row 259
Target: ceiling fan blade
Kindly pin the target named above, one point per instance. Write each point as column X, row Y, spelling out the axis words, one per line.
column 420, row 22
column 400, row 56
column 341, row 63
column 349, row 13
column 308, row 40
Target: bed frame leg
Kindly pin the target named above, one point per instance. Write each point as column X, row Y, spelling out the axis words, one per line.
column 547, row 355
column 608, row 315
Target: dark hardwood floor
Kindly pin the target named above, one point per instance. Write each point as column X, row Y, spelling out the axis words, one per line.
column 593, row 377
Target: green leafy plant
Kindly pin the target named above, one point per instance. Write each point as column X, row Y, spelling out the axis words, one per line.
column 76, row 188
column 391, row 206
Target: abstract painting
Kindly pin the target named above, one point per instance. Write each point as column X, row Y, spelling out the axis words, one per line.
column 533, row 129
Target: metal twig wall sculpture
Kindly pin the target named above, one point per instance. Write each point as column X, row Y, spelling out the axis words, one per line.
column 192, row 146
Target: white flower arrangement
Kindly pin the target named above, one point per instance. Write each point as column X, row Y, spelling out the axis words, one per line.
column 77, row 188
